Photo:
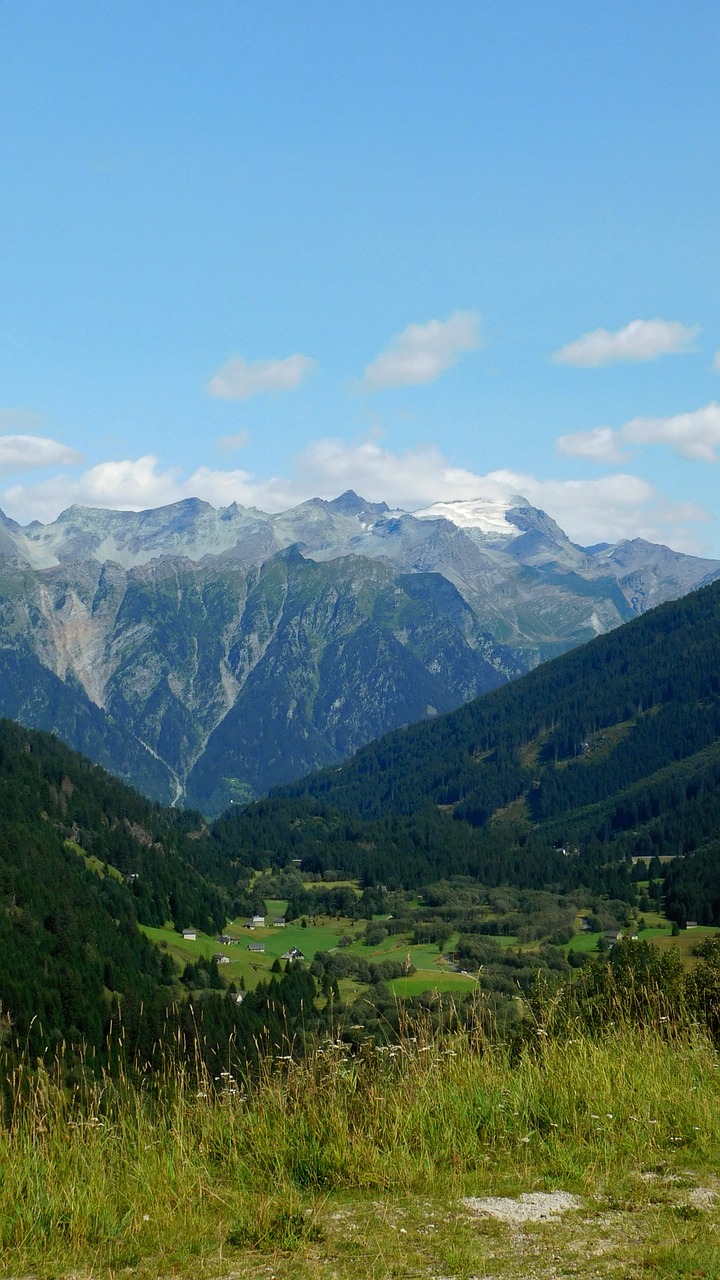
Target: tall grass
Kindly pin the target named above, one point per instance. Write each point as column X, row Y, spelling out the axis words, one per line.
column 110, row 1171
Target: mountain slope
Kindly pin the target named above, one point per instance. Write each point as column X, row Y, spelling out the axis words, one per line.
column 213, row 681
column 558, row 780
column 565, row 735
column 206, row 655
column 82, row 860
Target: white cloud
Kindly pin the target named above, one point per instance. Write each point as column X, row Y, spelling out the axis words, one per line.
column 422, row 352
column 639, row 340
column 612, row 507
column 25, row 453
column 410, row 479
column 137, row 484
column 238, row 380
column 600, row 510
column 129, row 485
column 228, row 444
column 600, row 445
column 695, row 435
column 604, row 509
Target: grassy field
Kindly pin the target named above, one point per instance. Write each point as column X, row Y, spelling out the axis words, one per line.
column 370, row 1164
column 94, row 864
column 684, row 943
column 433, row 971
column 432, row 980
column 433, row 968
column 336, row 1168
column 249, row 965
column 321, row 934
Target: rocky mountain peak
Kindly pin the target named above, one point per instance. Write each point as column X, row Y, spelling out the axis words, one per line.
column 351, row 504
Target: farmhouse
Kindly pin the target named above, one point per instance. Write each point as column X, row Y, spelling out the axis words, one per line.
column 224, row 938
column 256, row 946
column 293, row 954
column 189, row 935
column 221, row 958
column 258, row 922
column 279, row 923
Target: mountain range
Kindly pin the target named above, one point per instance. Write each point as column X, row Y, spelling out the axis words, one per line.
column 207, row 655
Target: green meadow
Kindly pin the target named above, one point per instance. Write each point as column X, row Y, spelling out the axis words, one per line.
column 339, row 1166
column 250, row 965
column 433, row 970
column 433, row 966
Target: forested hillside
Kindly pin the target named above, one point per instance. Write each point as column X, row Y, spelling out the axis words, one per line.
column 609, row 752
column 82, row 860
column 655, row 683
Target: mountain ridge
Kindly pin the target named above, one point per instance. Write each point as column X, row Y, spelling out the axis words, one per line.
column 208, row 654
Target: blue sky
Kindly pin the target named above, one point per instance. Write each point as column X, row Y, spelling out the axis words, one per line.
column 267, row 250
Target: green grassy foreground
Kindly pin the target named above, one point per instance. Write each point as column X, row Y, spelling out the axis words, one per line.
column 355, row 1166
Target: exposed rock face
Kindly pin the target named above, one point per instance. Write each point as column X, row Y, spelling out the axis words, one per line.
column 205, row 655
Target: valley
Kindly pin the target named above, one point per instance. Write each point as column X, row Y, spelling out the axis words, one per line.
column 500, row 939
column 387, row 958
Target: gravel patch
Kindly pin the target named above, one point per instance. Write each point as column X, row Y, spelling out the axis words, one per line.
column 534, row 1206
column 702, row 1197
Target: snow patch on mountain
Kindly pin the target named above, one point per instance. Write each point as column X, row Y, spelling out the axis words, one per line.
column 489, row 515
